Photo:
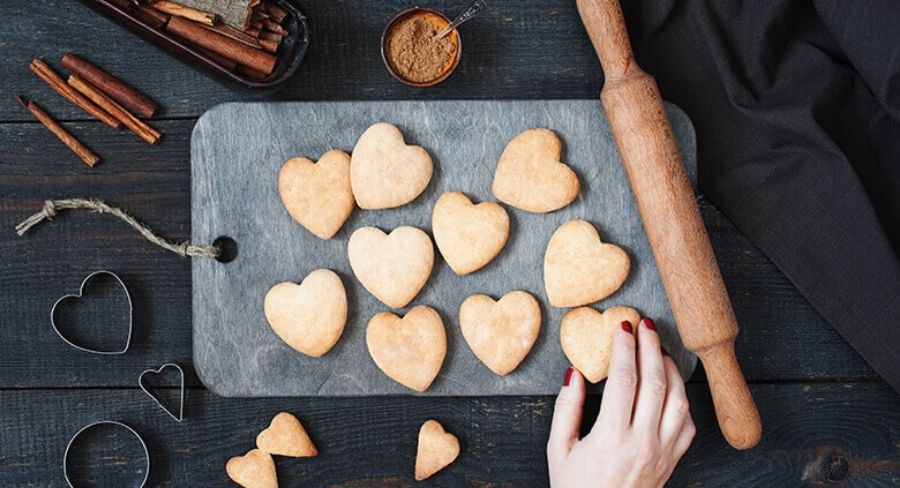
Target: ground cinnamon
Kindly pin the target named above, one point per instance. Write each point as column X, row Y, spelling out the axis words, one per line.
column 415, row 53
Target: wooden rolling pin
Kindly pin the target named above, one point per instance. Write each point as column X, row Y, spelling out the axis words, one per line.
column 671, row 219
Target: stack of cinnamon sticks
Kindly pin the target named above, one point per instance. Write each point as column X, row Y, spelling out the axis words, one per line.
column 241, row 36
column 98, row 93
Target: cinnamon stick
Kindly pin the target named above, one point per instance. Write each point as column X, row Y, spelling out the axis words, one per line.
column 46, row 73
column 227, row 47
column 217, row 58
column 82, row 151
column 144, row 131
column 277, row 13
column 110, row 85
column 152, row 16
column 270, row 43
column 250, row 73
column 177, row 9
column 273, row 26
column 238, row 35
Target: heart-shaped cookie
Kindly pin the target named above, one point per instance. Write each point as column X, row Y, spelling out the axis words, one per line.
column 500, row 333
column 530, row 175
column 586, row 336
column 286, row 436
column 256, row 469
column 410, row 350
column 318, row 195
column 437, row 449
column 385, row 172
column 580, row 269
column 469, row 236
column 393, row 267
column 309, row 317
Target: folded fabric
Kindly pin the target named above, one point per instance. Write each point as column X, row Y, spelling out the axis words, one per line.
column 797, row 110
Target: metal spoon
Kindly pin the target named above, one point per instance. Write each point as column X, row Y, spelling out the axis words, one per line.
column 470, row 11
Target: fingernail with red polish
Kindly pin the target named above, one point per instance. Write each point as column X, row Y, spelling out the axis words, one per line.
column 648, row 323
column 568, row 377
column 626, row 326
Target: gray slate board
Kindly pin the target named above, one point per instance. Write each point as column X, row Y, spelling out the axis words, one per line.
column 236, row 153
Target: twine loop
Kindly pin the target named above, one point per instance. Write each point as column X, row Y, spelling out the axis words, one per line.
column 51, row 207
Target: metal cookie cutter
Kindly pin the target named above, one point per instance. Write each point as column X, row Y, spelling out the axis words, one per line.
column 155, row 398
column 106, row 422
column 80, row 293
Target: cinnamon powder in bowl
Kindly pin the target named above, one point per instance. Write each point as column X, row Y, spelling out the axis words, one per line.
column 412, row 52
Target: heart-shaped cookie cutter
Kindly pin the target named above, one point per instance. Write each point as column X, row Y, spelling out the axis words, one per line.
column 156, row 399
column 80, row 293
column 113, row 423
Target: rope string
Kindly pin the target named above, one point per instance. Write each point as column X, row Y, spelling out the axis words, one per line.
column 52, row 207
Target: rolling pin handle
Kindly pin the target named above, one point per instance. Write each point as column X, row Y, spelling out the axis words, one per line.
column 735, row 408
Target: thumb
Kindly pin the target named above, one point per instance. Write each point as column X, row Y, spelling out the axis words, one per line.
column 566, row 416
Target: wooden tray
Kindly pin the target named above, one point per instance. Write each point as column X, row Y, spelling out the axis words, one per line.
column 290, row 53
column 236, row 153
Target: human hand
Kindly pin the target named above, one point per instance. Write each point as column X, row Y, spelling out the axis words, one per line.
column 644, row 425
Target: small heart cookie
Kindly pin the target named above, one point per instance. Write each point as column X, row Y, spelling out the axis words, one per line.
column 579, row 269
column 256, row 469
column 410, row 350
column 318, row 195
column 530, row 175
column 469, row 236
column 500, row 333
column 286, row 436
column 393, row 267
column 586, row 336
column 437, row 449
column 309, row 317
column 385, row 172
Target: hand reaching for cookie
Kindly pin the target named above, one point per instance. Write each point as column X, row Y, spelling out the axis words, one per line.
column 644, row 425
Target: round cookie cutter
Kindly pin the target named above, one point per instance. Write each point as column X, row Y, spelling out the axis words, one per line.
column 113, row 423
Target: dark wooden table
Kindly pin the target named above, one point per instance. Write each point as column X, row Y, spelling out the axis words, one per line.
column 828, row 418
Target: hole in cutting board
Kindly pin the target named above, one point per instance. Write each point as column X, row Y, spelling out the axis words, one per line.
column 228, row 249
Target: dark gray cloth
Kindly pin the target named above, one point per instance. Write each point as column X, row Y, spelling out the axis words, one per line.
column 797, row 111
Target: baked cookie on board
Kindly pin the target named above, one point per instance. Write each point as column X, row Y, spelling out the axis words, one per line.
column 393, row 267
column 318, row 195
column 580, row 269
column 309, row 317
column 385, row 172
column 530, row 175
column 586, row 336
column 500, row 333
column 410, row 350
column 469, row 236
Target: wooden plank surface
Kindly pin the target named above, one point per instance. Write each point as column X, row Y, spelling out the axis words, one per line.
column 828, row 420
column 843, row 434
column 511, row 51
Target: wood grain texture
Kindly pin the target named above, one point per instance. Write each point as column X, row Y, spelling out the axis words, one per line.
column 672, row 220
column 511, row 51
column 815, row 437
column 782, row 337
